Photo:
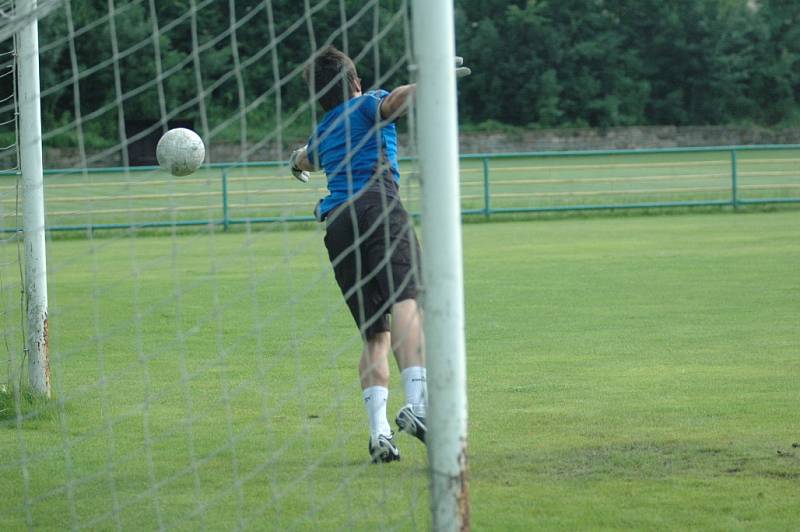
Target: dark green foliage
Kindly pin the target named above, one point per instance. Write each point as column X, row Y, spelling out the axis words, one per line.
column 216, row 66
column 541, row 63
column 608, row 63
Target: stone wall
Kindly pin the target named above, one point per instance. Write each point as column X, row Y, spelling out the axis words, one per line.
column 533, row 140
column 624, row 138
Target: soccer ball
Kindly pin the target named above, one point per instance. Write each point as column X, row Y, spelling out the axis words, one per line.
column 180, row 151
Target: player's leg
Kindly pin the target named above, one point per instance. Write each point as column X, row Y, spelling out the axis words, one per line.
column 373, row 370
column 374, row 374
column 408, row 339
column 409, row 350
column 399, row 281
column 363, row 300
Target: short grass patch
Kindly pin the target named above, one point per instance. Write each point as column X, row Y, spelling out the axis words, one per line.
column 624, row 373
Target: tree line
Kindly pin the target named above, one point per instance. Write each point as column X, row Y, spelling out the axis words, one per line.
column 536, row 63
column 608, row 63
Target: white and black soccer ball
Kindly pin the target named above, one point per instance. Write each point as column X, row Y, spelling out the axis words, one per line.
column 180, row 151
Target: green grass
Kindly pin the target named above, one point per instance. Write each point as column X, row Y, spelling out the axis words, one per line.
column 568, row 181
column 624, row 373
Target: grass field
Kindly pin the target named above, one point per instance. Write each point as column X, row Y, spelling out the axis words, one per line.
column 634, row 372
column 266, row 190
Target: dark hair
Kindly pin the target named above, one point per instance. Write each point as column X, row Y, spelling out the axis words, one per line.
column 335, row 77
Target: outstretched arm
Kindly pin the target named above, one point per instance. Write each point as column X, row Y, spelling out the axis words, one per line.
column 397, row 103
column 399, row 100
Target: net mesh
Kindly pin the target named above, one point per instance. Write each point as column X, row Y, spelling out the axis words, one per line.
column 203, row 364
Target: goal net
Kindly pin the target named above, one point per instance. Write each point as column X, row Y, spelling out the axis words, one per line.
column 204, row 367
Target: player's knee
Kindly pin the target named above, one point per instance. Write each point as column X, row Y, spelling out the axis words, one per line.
column 406, row 306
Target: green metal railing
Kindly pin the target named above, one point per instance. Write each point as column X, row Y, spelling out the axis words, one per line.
column 228, row 194
column 790, row 171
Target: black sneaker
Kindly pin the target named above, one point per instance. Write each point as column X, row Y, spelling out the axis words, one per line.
column 384, row 449
column 411, row 423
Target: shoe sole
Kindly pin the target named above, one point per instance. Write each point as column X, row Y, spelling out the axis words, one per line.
column 382, row 454
column 408, row 424
column 385, row 458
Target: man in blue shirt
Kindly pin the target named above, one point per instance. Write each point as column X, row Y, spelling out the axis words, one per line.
column 370, row 237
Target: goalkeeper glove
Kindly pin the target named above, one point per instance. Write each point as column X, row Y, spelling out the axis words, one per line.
column 297, row 172
column 461, row 71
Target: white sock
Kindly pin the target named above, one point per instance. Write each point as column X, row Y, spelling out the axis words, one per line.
column 416, row 388
column 375, row 398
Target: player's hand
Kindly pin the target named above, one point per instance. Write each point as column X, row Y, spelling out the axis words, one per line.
column 297, row 172
column 461, row 71
column 301, row 175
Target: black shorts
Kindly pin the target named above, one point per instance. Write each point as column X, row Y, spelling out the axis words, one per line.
column 375, row 256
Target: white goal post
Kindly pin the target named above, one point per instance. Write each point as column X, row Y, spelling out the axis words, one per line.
column 30, row 146
column 437, row 146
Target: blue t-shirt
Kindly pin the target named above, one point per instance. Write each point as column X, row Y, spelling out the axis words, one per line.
column 353, row 127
